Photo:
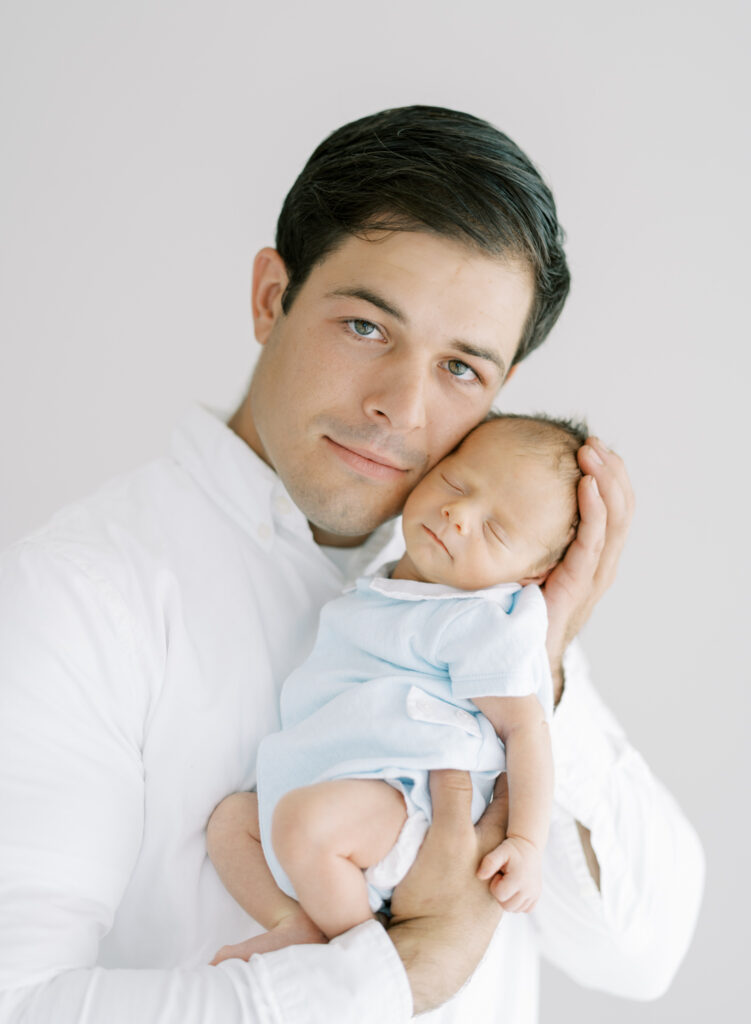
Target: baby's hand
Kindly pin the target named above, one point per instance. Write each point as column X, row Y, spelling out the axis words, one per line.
column 517, row 865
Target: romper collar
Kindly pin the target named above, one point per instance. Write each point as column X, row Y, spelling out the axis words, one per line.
column 415, row 590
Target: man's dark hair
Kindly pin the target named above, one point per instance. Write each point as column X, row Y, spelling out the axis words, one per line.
column 427, row 168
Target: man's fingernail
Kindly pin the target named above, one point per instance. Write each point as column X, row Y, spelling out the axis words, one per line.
column 593, row 485
column 592, row 454
column 600, row 445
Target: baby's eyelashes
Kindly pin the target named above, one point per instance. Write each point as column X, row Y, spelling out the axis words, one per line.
column 452, row 485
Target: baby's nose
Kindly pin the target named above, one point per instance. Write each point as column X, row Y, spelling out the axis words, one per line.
column 456, row 518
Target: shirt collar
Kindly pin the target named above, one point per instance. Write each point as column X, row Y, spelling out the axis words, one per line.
column 415, row 590
column 235, row 477
column 249, row 490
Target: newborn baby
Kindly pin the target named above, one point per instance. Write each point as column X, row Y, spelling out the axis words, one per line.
column 438, row 661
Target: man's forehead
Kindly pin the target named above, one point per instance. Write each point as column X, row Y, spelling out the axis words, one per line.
column 420, row 257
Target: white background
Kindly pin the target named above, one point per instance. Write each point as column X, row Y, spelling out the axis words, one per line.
column 147, row 148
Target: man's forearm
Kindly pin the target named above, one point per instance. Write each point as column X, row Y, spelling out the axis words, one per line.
column 440, row 957
column 444, row 916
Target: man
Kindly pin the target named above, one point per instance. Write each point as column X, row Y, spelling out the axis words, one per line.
column 144, row 634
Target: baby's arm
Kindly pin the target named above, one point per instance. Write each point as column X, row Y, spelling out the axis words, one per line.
column 520, row 724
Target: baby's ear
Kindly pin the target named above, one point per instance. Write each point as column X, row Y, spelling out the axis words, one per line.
column 539, row 579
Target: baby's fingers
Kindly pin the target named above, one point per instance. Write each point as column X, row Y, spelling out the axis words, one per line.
column 515, row 904
column 504, row 888
column 492, row 862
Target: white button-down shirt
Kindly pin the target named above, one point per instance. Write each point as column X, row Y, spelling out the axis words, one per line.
column 144, row 634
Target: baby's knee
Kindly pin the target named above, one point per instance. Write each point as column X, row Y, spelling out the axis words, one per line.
column 299, row 825
column 236, row 813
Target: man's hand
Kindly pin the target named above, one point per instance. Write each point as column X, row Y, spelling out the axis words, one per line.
column 606, row 506
column 443, row 915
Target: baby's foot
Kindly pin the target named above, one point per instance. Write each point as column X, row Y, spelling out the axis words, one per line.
column 295, row 929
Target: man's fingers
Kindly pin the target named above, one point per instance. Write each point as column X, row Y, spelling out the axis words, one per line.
column 445, row 866
column 571, row 590
column 613, row 483
column 583, row 556
column 451, row 797
column 606, row 503
column 611, row 474
column 491, row 828
column 618, row 496
column 571, row 581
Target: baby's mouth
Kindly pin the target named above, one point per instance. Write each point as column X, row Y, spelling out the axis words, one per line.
column 437, row 539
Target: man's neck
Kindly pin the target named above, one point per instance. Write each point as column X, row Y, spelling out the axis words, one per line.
column 335, row 540
column 242, row 424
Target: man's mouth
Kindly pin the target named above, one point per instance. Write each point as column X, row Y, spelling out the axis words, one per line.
column 437, row 539
column 366, row 461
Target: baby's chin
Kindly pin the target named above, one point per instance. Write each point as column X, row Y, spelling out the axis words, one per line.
column 463, row 581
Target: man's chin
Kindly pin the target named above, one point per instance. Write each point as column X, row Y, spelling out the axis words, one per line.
column 346, row 512
column 346, row 529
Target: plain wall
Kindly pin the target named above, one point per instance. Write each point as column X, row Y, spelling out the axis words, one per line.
column 146, row 150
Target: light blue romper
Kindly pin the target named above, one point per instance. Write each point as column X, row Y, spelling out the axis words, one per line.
column 386, row 692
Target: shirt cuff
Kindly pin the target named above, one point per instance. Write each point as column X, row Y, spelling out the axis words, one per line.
column 358, row 976
column 586, row 742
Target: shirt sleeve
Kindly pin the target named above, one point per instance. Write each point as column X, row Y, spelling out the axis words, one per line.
column 490, row 652
column 629, row 937
column 72, row 707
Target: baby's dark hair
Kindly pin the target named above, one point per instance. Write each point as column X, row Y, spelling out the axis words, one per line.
column 557, row 441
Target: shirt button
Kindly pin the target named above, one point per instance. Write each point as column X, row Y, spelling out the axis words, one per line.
column 264, row 531
column 282, row 505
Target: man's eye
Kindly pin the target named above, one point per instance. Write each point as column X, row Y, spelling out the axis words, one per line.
column 460, row 370
column 363, row 328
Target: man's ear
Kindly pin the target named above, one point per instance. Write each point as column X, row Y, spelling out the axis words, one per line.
column 269, row 281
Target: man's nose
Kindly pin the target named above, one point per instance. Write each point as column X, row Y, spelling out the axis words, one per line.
column 398, row 395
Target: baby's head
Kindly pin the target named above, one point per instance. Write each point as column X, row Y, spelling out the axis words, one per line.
column 501, row 508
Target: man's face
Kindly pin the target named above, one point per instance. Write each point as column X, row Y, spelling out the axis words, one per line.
column 393, row 349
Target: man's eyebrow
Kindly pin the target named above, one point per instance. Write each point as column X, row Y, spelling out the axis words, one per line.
column 481, row 353
column 478, row 351
column 368, row 296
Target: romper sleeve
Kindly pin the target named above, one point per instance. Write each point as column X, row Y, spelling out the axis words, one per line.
column 489, row 652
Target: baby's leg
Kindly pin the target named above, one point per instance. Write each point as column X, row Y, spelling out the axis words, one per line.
column 234, row 845
column 325, row 835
